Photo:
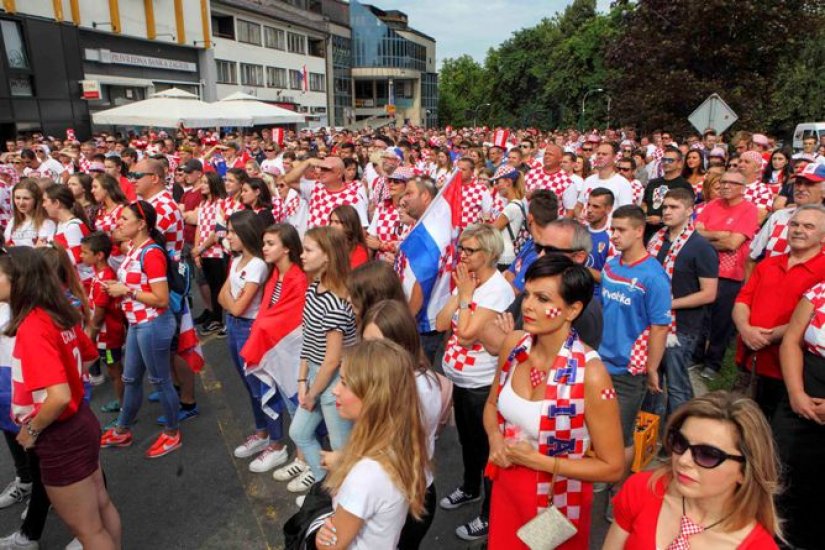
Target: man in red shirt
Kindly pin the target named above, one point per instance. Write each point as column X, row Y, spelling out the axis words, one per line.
column 764, row 307
column 729, row 224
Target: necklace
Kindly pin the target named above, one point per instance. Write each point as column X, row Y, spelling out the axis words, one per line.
column 688, row 528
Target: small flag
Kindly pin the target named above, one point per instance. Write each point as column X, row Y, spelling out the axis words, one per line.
column 500, row 138
column 608, row 393
column 278, row 136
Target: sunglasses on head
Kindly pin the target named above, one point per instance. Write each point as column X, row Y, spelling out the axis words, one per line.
column 705, row 456
column 550, row 249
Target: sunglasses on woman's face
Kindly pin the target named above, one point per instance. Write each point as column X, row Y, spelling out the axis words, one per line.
column 705, row 456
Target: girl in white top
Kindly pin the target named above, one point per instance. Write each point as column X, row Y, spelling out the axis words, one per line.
column 30, row 224
column 510, row 185
column 381, row 472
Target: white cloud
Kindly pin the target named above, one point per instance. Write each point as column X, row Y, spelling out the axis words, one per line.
column 461, row 26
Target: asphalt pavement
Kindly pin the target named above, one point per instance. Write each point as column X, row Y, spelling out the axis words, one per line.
column 201, row 497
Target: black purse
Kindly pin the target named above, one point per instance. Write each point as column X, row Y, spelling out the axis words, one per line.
column 301, row 528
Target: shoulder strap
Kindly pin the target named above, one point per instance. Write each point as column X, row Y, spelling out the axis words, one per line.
column 147, row 249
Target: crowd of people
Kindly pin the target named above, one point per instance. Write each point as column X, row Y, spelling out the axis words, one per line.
column 591, row 273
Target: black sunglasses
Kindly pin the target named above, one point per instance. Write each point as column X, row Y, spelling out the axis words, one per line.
column 550, row 249
column 138, row 175
column 705, row 456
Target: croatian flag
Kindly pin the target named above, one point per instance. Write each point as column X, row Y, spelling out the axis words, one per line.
column 189, row 346
column 427, row 255
column 305, row 79
column 6, row 348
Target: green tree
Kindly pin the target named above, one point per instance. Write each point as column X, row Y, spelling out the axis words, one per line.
column 462, row 87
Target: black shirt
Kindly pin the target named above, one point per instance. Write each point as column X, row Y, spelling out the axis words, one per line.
column 697, row 259
column 654, row 197
column 589, row 324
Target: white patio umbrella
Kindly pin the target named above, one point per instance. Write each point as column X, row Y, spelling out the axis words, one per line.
column 245, row 105
column 168, row 109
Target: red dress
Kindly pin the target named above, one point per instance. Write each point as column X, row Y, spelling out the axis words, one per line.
column 636, row 510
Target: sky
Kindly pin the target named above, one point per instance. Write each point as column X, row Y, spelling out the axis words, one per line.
column 473, row 27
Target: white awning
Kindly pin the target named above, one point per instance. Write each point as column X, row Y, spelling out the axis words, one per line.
column 122, row 80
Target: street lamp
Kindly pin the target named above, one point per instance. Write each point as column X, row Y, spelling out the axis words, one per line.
column 609, row 100
column 590, row 91
column 475, row 113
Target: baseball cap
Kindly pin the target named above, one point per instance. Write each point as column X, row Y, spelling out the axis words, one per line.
column 814, row 172
column 717, row 152
column 97, row 167
column 760, row 139
column 403, row 173
column 506, row 171
column 392, row 152
column 192, row 165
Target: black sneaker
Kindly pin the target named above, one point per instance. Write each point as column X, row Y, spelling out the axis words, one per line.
column 204, row 317
column 210, row 327
column 473, row 530
column 457, row 499
column 221, row 332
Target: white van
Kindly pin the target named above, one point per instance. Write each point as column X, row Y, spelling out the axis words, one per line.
column 806, row 129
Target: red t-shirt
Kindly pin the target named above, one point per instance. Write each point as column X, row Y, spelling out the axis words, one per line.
column 112, row 333
column 741, row 218
column 190, row 200
column 128, row 188
column 636, row 510
column 358, row 256
column 44, row 356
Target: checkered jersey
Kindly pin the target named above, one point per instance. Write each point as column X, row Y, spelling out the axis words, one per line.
column 68, row 235
column 386, row 226
column 499, row 202
column 638, row 191
column 84, row 164
column 557, row 182
column 140, row 278
column 759, row 194
column 475, row 201
column 638, row 354
column 322, row 202
column 380, row 191
column 209, row 213
column 815, row 333
column 292, row 204
column 535, row 164
column 170, row 221
column 278, row 213
column 456, row 355
column 772, row 239
column 107, row 222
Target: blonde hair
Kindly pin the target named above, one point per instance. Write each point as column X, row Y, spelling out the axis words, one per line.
column 333, row 244
column 489, row 240
column 389, row 429
column 754, row 498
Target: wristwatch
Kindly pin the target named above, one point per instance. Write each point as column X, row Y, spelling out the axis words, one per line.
column 31, row 431
column 463, row 304
column 133, row 294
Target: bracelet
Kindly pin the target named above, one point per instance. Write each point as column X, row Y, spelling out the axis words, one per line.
column 31, row 431
column 302, row 380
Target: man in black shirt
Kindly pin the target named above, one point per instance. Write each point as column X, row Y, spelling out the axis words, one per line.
column 672, row 161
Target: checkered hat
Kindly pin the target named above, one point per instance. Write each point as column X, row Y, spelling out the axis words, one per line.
column 814, row 172
column 506, row 171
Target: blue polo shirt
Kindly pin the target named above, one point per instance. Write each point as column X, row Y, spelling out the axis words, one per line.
column 526, row 256
column 634, row 297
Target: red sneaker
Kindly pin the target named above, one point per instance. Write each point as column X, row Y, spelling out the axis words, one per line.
column 111, row 438
column 164, row 445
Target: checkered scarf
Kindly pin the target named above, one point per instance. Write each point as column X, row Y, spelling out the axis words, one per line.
column 562, row 431
column 654, row 247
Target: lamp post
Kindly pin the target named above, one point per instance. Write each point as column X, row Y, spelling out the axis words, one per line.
column 475, row 112
column 609, row 100
column 590, row 91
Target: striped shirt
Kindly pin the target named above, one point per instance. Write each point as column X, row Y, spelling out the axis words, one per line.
column 276, row 294
column 325, row 312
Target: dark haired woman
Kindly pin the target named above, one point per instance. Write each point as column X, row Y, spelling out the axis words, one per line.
column 371, row 282
column 207, row 250
column 56, row 423
column 694, row 171
column 111, row 200
column 547, row 369
column 145, row 292
column 255, row 196
column 72, row 226
column 345, row 218
column 271, row 352
column 80, row 186
column 778, row 171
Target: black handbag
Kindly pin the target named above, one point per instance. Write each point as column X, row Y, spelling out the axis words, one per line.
column 300, row 529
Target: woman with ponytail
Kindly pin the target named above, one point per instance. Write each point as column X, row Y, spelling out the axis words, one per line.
column 72, row 226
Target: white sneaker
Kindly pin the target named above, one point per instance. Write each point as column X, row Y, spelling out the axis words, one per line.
column 18, row 541
column 74, row 545
column 301, row 483
column 268, row 459
column 299, row 500
column 291, row 470
column 94, row 381
column 252, row 446
column 15, row 492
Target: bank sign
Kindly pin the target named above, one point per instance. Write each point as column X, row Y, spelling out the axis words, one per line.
column 119, row 58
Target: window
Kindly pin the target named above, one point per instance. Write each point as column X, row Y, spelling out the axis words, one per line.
column 223, row 26
column 252, row 75
column 317, row 82
column 274, row 38
column 316, row 47
column 296, row 42
column 296, row 80
column 226, row 72
column 249, row 32
column 275, row 77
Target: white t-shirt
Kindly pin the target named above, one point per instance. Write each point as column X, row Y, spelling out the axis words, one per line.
column 429, row 397
column 269, row 164
column 515, row 215
column 25, row 233
column 496, row 295
column 571, row 195
column 256, row 271
column 369, row 494
column 617, row 184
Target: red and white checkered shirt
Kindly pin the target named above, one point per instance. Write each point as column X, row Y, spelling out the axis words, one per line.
column 170, row 221
column 386, row 226
column 140, row 279
column 535, row 164
column 557, row 182
column 759, row 194
column 322, row 202
column 208, row 215
column 68, row 235
column 475, row 201
column 380, row 191
column 772, row 239
column 107, row 222
column 638, row 191
column 815, row 333
column 84, row 164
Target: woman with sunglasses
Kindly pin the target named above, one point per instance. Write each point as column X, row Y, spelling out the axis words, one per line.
column 716, row 490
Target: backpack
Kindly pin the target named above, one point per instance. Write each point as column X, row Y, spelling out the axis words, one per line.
column 177, row 277
column 523, row 234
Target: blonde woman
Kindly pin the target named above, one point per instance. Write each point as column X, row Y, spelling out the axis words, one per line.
column 716, row 491
column 381, row 473
column 512, row 222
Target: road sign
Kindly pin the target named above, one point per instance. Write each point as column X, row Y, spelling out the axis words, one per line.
column 713, row 113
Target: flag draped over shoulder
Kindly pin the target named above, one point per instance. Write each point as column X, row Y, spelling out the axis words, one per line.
column 189, row 346
column 273, row 350
column 427, row 255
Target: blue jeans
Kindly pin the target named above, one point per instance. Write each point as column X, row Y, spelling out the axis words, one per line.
column 148, row 347
column 237, row 329
column 674, row 368
column 304, row 423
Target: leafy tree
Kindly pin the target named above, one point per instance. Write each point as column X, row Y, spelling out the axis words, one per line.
column 461, row 88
